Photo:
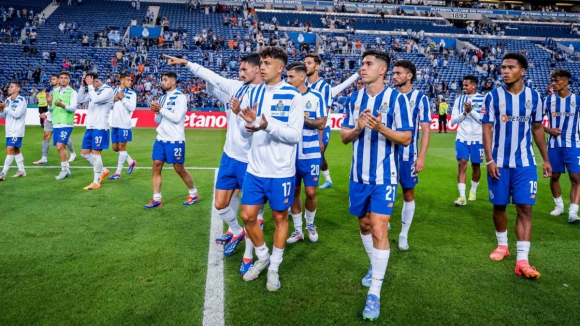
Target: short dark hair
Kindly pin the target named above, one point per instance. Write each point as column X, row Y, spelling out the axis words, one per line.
column 53, row 75
column 296, row 66
column 520, row 58
column 16, row 83
column 170, row 74
column 473, row 79
column 315, row 56
column 379, row 55
column 561, row 73
column 92, row 74
column 64, row 72
column 274, row 52
column 407, row 64
column 124, row 73
column 252, row 58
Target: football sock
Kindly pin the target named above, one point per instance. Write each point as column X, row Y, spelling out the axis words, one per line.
column 121, row 161
column 193, row 191
column 157, row 196
column 235, row 203
column 326, row 175
column 276, row 259
column 379, row 261
column 523, row 250
column 461, row 187
column 297, row 219
column 248, row 252
column 229, row 216
column 474, row 186
column 20, row 163
column 129, row 159
column 407, row 217
column 97, row 168
column 262, row 252
column 45, row 147
column 63, row 166
column 309, row 216
column 88, row 157
column 70, row 146
column 559, row 201
column 7, row 162
column 502, row 238
column 573, row 207
column 368, row 244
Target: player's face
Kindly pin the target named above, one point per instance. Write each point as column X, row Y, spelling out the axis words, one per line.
column 559, row 83
column 469, row 87
column 401, row 76
column 13, row 89
column 372, row 69
column 167, row 83
column 97, row 83
column 512, row 72
column 295, row 78
column 270, row 68
column 126, row 82
column 248, row 72
column 63, row 80
column 311, row 66
column 53, row 81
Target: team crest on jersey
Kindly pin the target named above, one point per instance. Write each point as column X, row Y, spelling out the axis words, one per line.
column 529, row 105
column 308, row 105
column 573, row 105
column 357, row 108
column 384, row 108
column 554, row 114
column 280, row 106
column 412, row 103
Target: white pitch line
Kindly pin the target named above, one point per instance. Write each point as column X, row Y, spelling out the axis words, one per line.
column 213, row 310
column 135, row 168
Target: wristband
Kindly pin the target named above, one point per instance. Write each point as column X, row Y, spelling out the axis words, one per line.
column 488, row 163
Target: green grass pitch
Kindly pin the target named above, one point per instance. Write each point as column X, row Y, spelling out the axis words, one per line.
column 74, row 257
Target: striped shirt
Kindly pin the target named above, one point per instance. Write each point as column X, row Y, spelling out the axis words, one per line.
column 373, row 159
column 563, row 114
column 309, row 145
column 512, row 116
column 419, row 105
column 322, row 87
column 123, row 109
column 15, row 115
column 171, row 117
column 272, row 151
column 469, row 130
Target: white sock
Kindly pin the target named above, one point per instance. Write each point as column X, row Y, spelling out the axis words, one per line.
column 97, row 168
column 502, row 238
column 69, row 144
column 230, row 217
column 157, row 196
column 121, row 161
column 249, row 251
column 407, row 217
column 523, row 250
column 193, row 191
column 129, row 159
column 368, row 244
column 64, row 166
column 297, row 219
column 88, row 157
column 379, row 261
column 7, row 162
column 235, row 203
column 45, row 147
column 461, row 187
column 262, row 252
column 326, row 175
column 276, row 259
column 559, row 201
column 474, row 187
column 309, row 216
column 573, row 207
column 20, row 163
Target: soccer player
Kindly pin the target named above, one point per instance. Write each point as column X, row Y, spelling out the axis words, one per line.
column 308, row 159
column 125, row 103
column 467, row 113
column 100, row 97
column 377, row 119
column 512, row 114
column 169, row 146
column 273, row 118
column 235, row 157
column 13, row 110
column 48, row 128
column 317, row 83
column 411, row 160
column 63, row 104
column 563, row 141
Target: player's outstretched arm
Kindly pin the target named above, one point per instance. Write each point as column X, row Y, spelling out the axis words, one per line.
column 341, row 87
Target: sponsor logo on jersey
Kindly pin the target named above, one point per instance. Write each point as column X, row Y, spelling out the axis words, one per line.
column 511, row 118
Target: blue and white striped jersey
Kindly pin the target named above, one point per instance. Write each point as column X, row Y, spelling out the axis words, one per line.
column 373, row 153
column 309, row 145
column 512, row 116
column 420, row 107
column 123, row 109
column 272, row 151
column 15, row 115
column 171, row 117
column 563, row 114
column 322, row 87
column 469, row 130
column 100, row 105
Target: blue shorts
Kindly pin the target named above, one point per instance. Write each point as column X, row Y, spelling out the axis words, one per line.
column 61, row 135
column 278, row 191
column 464, row 151
column 120, row 135
column 309, row 171
column 230, row 174
column 407, row 176
column 171, row 152
column 96, row 139
column 14, row 142
column 563, row 159
column 365, row 198
column 326, row 136
column 521, row 184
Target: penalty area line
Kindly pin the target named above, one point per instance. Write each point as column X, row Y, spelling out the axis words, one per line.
column 213, row 309
column 136, row 168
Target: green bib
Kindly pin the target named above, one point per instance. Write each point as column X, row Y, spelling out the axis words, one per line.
column 60, row 115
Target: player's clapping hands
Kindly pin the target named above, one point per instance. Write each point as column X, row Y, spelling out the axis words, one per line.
column 554, row 132
column 120, row 96
column 60, row 104
column 370, row 121
column 155, row 106
column 467, row 107
column 234, row 103
column 2, row 106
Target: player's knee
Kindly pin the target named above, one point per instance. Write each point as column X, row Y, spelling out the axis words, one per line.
column 310, row 192
column 220, row 204
column 555, row 177
column 462, row 163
